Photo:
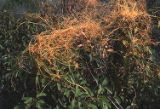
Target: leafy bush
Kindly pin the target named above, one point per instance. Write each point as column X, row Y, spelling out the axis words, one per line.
column 15, row 34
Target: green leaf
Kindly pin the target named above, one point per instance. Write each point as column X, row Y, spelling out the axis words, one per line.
column 27, row 100
column 39, row 106
column 105, row 101
column 72, row 106
column 43, row 81
column 95, row 80
column 79, row 105
column 105, row 107
column 41, row 95
column 109, row 90
column 77, row 91
column 17, row 107
column 67, row 92
column 57, row 107
column 83, row 82
column 147, row 71
column 1, row 47
column 122, row 98
column 92, row 106
column 90, row 57
column 59, row 86
column 105, row 82
column 100, row 89
column 72, row 79
column 118, row 100
column 89, row 92
column 158, row 75
column 41, row 101
column 70, row 68
column 128, row 107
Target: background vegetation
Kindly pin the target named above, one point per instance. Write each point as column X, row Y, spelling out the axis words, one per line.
column 21, row 6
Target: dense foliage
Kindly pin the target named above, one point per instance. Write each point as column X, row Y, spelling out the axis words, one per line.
column 84, row 62
column 15, row 35
column 21, row 5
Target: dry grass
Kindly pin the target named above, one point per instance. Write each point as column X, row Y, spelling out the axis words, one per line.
column 130, row 24
column 60, row 45
column 127, row 21
column 126, row 15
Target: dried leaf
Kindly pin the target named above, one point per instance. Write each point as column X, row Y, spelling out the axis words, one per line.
column 110, row 50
